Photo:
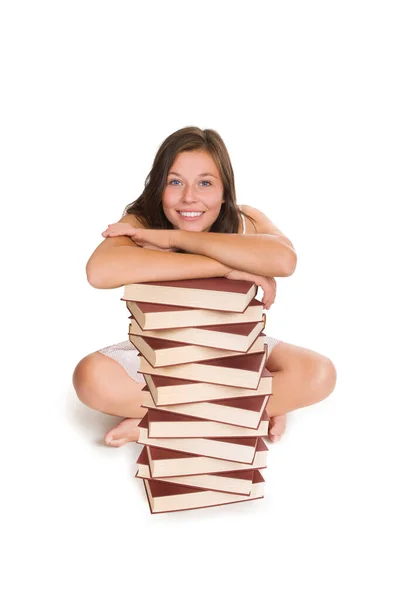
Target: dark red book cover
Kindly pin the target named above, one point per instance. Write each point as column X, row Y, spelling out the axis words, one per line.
column 152, row 307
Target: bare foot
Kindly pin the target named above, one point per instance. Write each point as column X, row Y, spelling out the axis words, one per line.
column 277, row 427
column 126, row 431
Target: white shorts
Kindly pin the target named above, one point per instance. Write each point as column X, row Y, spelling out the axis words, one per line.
column 127, row 355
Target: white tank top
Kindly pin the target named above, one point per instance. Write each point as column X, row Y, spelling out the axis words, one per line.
column 243, row 222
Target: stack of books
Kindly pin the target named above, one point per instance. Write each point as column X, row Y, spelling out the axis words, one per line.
column 202, row 354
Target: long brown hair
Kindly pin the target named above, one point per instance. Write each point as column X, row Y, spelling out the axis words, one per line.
column 148, row 207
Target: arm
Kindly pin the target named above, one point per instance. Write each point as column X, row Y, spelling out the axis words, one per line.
column 119, row 261
column 268, row 253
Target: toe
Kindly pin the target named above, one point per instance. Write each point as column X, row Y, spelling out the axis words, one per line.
column 126, row 431
column 116, row 443
column 277, row 426
column 109, row 438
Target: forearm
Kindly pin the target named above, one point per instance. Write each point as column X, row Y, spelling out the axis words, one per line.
column 260, row 254
column 123, row 265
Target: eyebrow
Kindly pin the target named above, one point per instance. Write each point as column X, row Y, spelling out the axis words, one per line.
column 200, row 175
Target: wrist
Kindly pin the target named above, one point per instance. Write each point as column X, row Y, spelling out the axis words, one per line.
column 228, row 270
column 178, row 238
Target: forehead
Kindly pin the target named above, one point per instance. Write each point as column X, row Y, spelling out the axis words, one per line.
column 194, row 162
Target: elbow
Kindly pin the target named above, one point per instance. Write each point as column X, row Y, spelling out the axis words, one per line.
column 94, row 277
column 106, row 276
column 289, row 266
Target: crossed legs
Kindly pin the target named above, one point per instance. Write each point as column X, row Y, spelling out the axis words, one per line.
column 301, row 377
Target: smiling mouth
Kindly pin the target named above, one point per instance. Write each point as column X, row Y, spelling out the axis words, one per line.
column 190, row 213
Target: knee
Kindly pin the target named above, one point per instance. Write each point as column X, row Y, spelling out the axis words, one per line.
column 325, row 376
column 84, row 379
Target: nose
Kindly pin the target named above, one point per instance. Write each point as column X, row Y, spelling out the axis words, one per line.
column 189, row 194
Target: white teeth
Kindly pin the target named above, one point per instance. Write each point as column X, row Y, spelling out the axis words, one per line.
column 190, row 214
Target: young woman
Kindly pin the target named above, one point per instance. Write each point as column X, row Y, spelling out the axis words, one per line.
column 186, row 225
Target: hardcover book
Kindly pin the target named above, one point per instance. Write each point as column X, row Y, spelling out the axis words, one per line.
column 233, row 482
column 162, row 424
column 212, row 293
column 172, row 390
column 164, row 462
column 245, row 411
column 164, row 353
column 234, row 336
column 170, row 497
column 243, row 371
column 150, row 315
column 236, row 449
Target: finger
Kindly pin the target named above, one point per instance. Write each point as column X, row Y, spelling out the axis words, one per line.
column 266, row 301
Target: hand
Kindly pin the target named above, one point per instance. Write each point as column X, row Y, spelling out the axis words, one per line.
column 268, row 285
column 155, row 239
column 118, row 229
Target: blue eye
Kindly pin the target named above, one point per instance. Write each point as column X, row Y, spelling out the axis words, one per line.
column 172, row 180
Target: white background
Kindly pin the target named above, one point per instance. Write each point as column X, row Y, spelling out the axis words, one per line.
column 305, row 96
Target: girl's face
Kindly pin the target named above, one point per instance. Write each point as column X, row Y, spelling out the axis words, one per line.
column 193, row 186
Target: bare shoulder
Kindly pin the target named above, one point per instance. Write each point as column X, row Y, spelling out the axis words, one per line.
column 262, row 223
column 132, row 220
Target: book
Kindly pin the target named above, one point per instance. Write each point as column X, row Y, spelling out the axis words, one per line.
column 236, row 449
column 163, row 353
column 171, row 497
column 243, row 371
column 164, row 462
column 233, row 482
column 173, row 390
column 212, row 293
column 233, row 336
column 162, row 424
column 245, row 411
column 150, row 315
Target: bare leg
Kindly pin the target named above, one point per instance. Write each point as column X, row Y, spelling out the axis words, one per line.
column 301, row 377
column 103, row 384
